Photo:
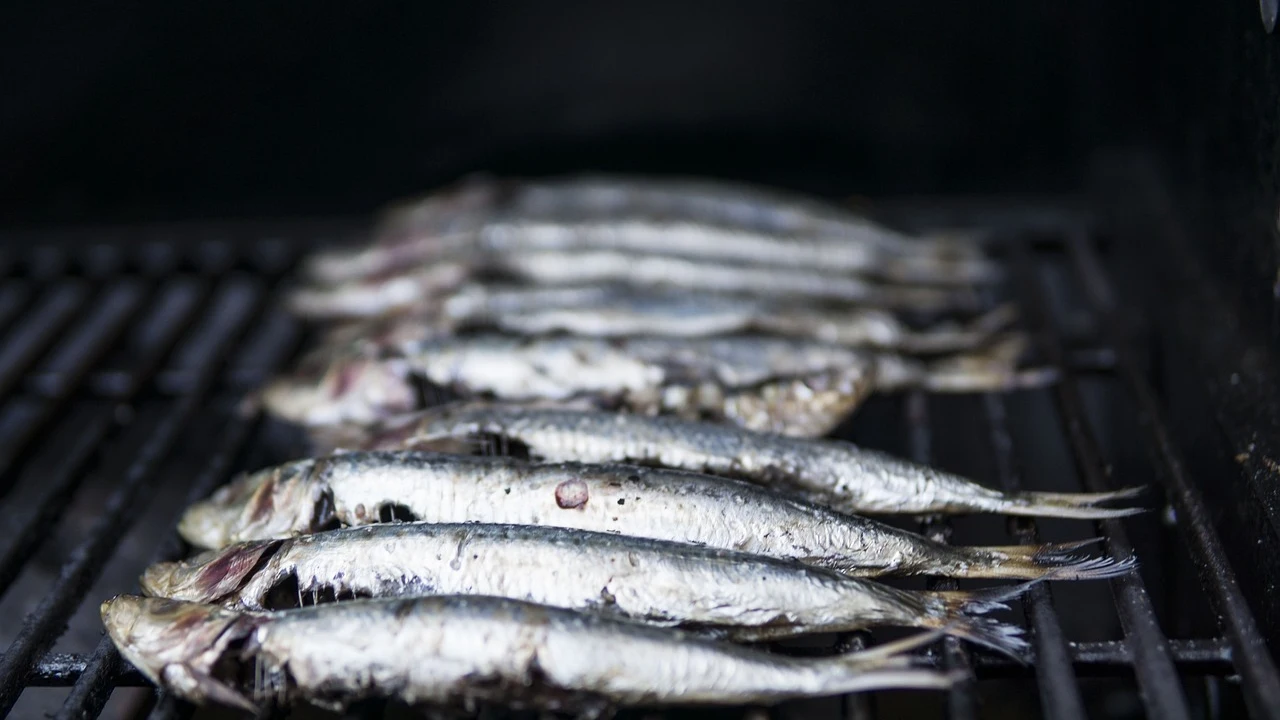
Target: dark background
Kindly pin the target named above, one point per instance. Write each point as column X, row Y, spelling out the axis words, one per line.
column 174, row 110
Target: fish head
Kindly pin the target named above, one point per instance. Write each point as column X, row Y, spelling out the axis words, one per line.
column 181, row 645
column 456, row 208
column 283, row 501
column 210, row 577
column 352, row 388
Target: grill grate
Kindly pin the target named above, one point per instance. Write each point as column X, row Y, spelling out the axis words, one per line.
column 143, row 347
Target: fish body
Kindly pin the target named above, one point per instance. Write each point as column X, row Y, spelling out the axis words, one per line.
column 689, row 218
column 618, row 311
column 763, row 383
column 364, row 488
column 453, row 650
column 573, row 267
column 718, row 242
column 730, row 593
column 382, row 296
column 834, row 473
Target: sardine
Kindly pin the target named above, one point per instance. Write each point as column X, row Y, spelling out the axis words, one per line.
column 418, row 285
column 572, row 267
column 733, row 204
column 686, row 218
column 830, row 472
column 380, row 296
column 612, row 311
column 457, row 650
column 759, row 382
column 365, row 488
column 731, row 594
column 720, row 243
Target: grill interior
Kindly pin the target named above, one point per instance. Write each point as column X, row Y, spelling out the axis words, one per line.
column 125, row 356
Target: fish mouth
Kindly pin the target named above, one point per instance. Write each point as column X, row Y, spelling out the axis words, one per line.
column 273, row 503
column 179, row 645
column 211, row 523
column 350, row 389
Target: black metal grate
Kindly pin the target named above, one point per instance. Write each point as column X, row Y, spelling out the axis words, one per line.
column 123, row 357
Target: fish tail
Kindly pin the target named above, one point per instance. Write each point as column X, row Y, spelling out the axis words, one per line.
column 992, row 369
column 888, row 679
column 950, row 337
column 940, row 268
column 1050, row 561
column 954, row 611
column 885, row 667
column 1086, row 506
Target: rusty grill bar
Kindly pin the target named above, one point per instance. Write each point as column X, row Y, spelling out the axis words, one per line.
column 111, row 338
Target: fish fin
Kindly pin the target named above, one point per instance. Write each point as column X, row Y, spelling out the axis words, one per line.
column 196, row 685
column 892, row 679
column 994, row 368
column 1050, row 561
column 985, row 600
column 950, row 337
column 893, row 650
column 1072, row 505
column 956, row 617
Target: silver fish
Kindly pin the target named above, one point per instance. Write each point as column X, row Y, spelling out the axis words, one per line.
column 572, row 267
column 688, row 218
column 834, row 473
column 721, row 243
column 364, row 488
column 733, row 594
column 380, row 296
column 612, row 311
column 456, row 650
column 728, row 203
column 759, row 382
column 419, row 285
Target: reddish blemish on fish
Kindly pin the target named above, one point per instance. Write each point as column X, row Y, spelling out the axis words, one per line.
column 262, row 504
column 572, row 494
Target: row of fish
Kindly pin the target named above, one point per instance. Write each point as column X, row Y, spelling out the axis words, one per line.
column 630, row 485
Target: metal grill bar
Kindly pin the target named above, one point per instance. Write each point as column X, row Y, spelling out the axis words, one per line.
column 1253, row 660
column 1059, row 689
column 37, row 331
column 1157, row 677
column 67, row 477
column 92, row 688
column 39, row 628
column 62, row 483
column 962, row 701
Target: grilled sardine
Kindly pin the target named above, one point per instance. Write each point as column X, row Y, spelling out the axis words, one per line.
column 686, row 218
column 758, row 382
column 457, row 650
column 611, row 311
column 733, row 594
column 364, row 488
column 833, row 473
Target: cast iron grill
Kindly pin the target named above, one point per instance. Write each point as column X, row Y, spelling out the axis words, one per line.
column 125, row 356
